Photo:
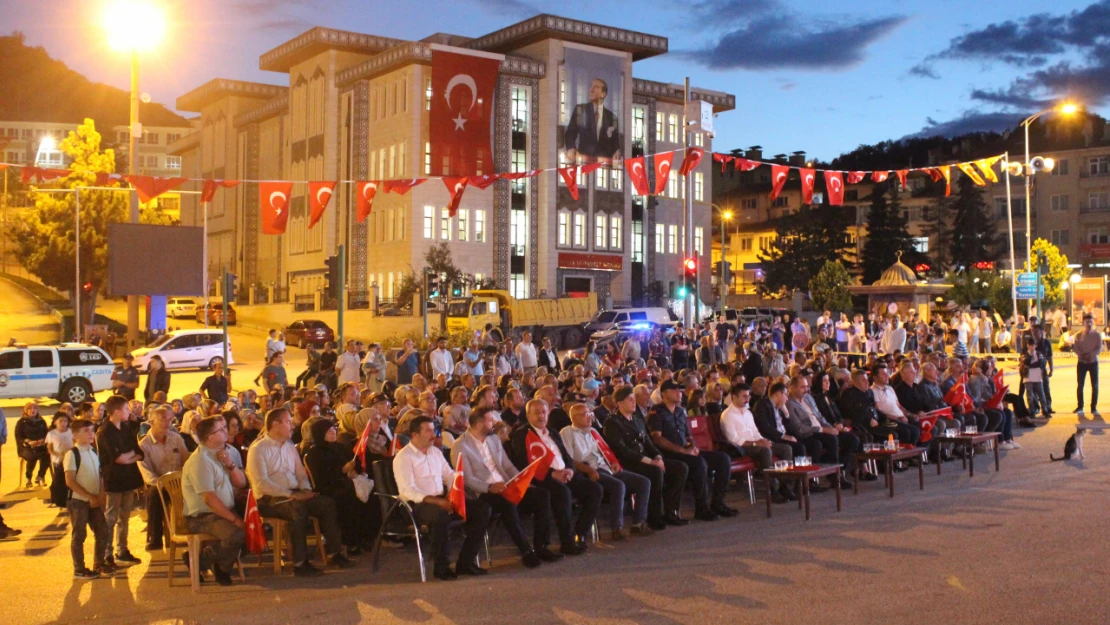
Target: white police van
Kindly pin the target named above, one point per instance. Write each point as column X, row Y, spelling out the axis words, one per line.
column 70, row 372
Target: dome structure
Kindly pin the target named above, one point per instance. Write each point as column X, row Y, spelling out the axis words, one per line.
column 897, row 274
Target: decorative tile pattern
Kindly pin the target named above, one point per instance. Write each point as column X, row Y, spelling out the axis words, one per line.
column 357, row 277
column 329, row 37
column 250, row 207
column 419, row 52
column 650, row 43
column 665, row 91
column 602, row 281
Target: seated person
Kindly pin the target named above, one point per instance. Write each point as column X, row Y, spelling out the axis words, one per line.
column 739, row 428
column 332, row 468
column 208, row 480
column 804, row 422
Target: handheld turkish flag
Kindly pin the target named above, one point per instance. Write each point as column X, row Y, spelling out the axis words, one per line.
column 484, row 181
column 365, row 190
column 394, row 446
column 957, row 397
column 538, row 451
column 518, row 485
column 210, row 186
column 462, row 103
column 693, row 157
column 570, row 176
column 662, row 171
column 778, row 179
column 360, row 448
column 455, row 186
column 637, row 174
column 610, row 457
column 319, row 195
column 927, row 424
column 150, row 187
column 256, row 535
column 723, row 159
column 457, row 494
column 401, row 187
column 809, row 176
column 879, row 176
column 834, row 184
column 743, row 164
column 995, row 402
column 856, row 177
column 273, row 198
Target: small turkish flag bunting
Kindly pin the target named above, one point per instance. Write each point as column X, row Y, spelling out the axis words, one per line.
column 662, row 171
column 834, row 184
column 693, row 157
column 855, row 177
column 273, row 198
column 401, row 187
column 150, row 187
column 457, row 494
column 521, row 174
column 934, row 173
column 319, row 195
column 365, row 191
column 210, row 187
column 104, row 179
column 570, row 176
column 30, row 173
column 778, row 179
column 970, row 172
column 723, row 159
column 879, row 176
column 901, row 173
column 743, row 164
column 986, row 165
column 483, row 182
column 946, row 171
column 809, row 176
column 456, row 185
column 637, row 174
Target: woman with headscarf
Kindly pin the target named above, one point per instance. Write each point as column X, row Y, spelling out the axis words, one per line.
column 30, row 440
column 332, row 467
column 157, row 378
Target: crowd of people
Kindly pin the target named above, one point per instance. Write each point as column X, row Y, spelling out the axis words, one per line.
column 607, row 429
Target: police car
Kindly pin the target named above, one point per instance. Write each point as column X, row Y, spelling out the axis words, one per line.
column 70, row 372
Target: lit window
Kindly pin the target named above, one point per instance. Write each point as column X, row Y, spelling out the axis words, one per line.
column 697, row 139
column 601, row 178
column 672, row 239
column 638, row 126
column 599, row 231
column 579, row 229
column 427, row 157
column 659, row 238
column 445, row 224
column 672, row 184
column 618, row 177
column 660, row 125
column 615, row 240
column 464, row 224
column 672, row 127
column 921, row 244
column 698, row 236
column 479, row 226
column 429, row 221
column 520, row 109
column 391, row 224
column 699, row 186
column 428, row 95
column 564, row 227
column 637, row 241
column 173, row 162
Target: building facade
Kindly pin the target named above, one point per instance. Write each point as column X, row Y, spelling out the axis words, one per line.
column 357, row 108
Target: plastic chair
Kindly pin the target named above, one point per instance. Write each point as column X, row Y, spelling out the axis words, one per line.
column 173, row 504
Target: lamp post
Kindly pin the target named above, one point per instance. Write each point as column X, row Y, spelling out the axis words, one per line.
column 726, row 215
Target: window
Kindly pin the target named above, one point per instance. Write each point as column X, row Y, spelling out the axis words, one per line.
column 639, row 126
column 637, row 241
column 479, row 226
column 11, row 360
column 520, row 109
column 672, row 183
column 698, row 141
column 746, row 244
column 1059, row 202
column 659, row 228
column 445, row 224
column 781, row 202
column 766, row 242
column 391, row 225
column 749, row 204
column 672, row 128
column 428, row 95
column 579, row 229
column 151, row 161
column 699, row 186
column 699, row 235
column 601, row 178
column 173, row 162
column 401, row 218
column 1061, row 168
column 464, row 224
column 172, row 136
column 599, row 231
column 1000, row 207
column 1098, row 165
column 429, row 221
column 564, row 227
column 427, row 158
column 518, row 232
column 921, row 244
column 1096, row 235
column 672, row 239
column 402, row 171
column 660, row 125
column 1061, row 237
column 518, row 286
column 41, row 358
column 562, row 100
column 616, row 241
column 618, row 178
column 149, row 138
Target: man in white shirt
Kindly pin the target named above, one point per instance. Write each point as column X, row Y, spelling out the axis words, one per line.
column 887, row 404
column 441, row 359
column 274, row 344
column 423, row 479
column 740, row 429
column 894, row 339
column 526, row 353
column 208, row 483
column 280, row 483
column 986, row 329
column 164, row 451
column 348, row 364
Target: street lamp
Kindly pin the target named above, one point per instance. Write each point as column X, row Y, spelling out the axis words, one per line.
column 1066, row 108
column 726, row 215
column 133, row 26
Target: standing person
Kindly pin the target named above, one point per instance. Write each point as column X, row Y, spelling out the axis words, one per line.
column 843, row 330
column 1032, row 377
column 157, row 378
column 274, row 344
column 473, row 359
column 973, row 323
column 273, row 375
column 327, row 366
column 119, row 457
column 1088, row 345
column 373, row 365
column 407, row 361
column 59, row 440
column 312, row 368
column 441, row 359
column 30, row 441
column 164, row 451
column 1044, row 348
column 215, row 386
column 986, row 329
column 526, row 353
column 86, row 504
column 125, row 378
column 347, row 365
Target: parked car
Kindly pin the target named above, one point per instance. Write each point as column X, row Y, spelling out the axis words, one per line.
column 70, row 372
column 624, row 329
column 609, row 319
column 184, row 307
column 751, row 314
column 185, row 349
column 215, row 314
column 304, row 331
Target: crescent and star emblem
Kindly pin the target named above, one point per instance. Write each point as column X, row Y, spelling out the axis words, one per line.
column 543, row 449
column 468, row 82
column 636, row 165
column 836, row 184
column 370, row 186
column 459, row 185
column 809, row 180
column 277, row 209
column 780, row 177
column 323, row 191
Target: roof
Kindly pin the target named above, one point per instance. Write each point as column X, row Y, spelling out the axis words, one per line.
column 219, row 88
column 545, row 26
column 897, row 274
column 318, row 39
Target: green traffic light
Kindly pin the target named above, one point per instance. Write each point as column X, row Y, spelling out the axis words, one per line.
column 682, row 291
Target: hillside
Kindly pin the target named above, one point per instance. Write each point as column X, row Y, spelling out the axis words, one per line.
column 37, row 88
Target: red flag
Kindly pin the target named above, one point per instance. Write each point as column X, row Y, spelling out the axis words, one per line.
column 934, row 173
column 957, row 397
column 946, row 171
column 462, row 102
column 30, row 173
column 855, row 177
column 723, row 159
column 360, row 448
column 103, row 179
column 319, row 194
column 570, row 176
column 945, row 412
column 778, row 179
column 808, row 178
column 457, row 494
column 538, row 451
column 970, row 172
column 256, row 535
column 521, row 174
column 401, row 187
column 150, row 187
column 484, row 181
column 927, row 423
column 273, row 197
column 901, row 173
column 210, row 187
column 879, row 176
column 691, row 160
column 997, row 379
column 995, row 402
column 455, row 186
column 365, row 190
column 610, row 457
column 394, row 446
column 518, row 485
column 834, row 184
column 743, row 164
column 662, row 171
column 637, row 174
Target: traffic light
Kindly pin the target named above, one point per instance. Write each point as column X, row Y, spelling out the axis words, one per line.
column 726, row 272
column 680, row 291
column 230, row 287
column 87, row 288
column 690, row 269
column 432, row 283
column 331, row 276
column 456, row 291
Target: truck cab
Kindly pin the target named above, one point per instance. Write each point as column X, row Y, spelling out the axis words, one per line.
column 470, row 314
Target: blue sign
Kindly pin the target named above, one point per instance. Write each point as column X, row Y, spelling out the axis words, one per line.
column 1028, row 278
column 1028, row 291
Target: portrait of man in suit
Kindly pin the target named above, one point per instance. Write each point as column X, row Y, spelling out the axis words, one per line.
column 593, row 132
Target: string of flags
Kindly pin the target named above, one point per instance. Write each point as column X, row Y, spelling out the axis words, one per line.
column 274, row 195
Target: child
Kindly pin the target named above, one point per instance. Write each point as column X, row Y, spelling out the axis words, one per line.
column 86, row 503
column 59, row 440
column 1032, row 375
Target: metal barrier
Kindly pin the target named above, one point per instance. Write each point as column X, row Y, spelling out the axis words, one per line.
column 304, row 302
column 281, row 295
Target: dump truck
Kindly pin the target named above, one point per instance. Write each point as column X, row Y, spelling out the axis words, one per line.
column 560, row 319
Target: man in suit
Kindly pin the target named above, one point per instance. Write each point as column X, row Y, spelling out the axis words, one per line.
column 532, row 439
column 486, row 468
column 593, row 132
column 771, row 417
column 548, row 357
column 804, row 422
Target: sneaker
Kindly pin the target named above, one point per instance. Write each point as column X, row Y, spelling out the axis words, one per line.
column 643, row 529
column 222, row 578
column 341, row 561
column 126, row 558
column 106, row 569
column 1014, row 444
column 1005, row 445
column 1078, row 411
column 83, row 573
column 8, row 532
column 307, row 570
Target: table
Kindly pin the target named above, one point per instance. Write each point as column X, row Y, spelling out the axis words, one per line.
column 890, row 457
column 802, row 476
column 968, row 442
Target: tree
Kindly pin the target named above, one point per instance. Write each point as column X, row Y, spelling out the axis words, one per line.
column 1002, row 297
column 973, row 237
column 971, row 287
column 829, row 288
column 438, row 260
column 887, row 233
column 44, row 235
column 1058, row 271
column 939, row 231
column 804, row 242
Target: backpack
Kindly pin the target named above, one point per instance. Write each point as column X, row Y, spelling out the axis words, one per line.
column 77, row 467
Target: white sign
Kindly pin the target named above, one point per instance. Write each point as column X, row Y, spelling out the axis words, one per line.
column 700, row 113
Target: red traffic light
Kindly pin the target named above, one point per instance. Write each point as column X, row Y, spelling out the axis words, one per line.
column 690, row 264
column 88, row 287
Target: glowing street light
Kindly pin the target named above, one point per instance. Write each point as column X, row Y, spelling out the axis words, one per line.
column 1068, row 108
column 1074, row 278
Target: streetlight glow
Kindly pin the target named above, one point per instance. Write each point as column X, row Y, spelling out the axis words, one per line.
column 1068, row 108
column 133, row 25
column 727, row 215
column 1075, row 278
column 47, row 144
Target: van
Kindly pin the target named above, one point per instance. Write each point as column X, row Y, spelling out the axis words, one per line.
column 185, row 349
column 608, row 319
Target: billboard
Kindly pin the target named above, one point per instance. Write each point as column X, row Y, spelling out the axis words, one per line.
column 591, row 102
column 1089, row 296
column 155, row 260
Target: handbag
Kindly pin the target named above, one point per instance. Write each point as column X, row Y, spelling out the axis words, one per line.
column 363, row 486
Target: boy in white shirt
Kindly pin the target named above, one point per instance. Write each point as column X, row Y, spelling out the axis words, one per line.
column 86, row 503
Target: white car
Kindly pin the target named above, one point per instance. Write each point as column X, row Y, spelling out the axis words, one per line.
column 185, row 349
column 177, row 307
column 70, row 372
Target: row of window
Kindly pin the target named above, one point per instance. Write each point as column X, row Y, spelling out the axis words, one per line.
column 673, row 236
column 458, row 227
column 388, row 163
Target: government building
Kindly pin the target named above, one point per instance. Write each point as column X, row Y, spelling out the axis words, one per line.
column 357, row 108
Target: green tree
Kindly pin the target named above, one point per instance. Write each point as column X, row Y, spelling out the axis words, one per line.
column 804, row 242
column 887, row 233
column 829, row 288
column 438, row 260
column 971, row 287
column 44, row 235
column 1001, row 296
column 939, row 231
column 1058, row 271
column 973, row 237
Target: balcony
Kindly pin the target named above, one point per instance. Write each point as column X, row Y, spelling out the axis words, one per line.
column 1094, row 207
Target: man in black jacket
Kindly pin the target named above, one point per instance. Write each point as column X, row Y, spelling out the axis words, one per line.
column 753, row 366
column 627, row 435
column 548, row 357
column 120, row 454
column 857, row 404
column 532, row 440
column 770, row 416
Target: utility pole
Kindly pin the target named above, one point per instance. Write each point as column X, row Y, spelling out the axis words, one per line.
column 688, row 306
column 341, row 290
column 135, row 131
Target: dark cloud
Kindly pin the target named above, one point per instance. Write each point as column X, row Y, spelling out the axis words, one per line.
column 507, row 7
column 1012, row 97
column 783, row 41
column 968, row 122
column 924, row 70
column 280, row 24
column 724, row 13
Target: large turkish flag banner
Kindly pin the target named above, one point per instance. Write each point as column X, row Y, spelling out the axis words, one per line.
column 462, row 107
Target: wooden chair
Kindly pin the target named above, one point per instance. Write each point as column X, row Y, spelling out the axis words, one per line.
column 173, row 504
